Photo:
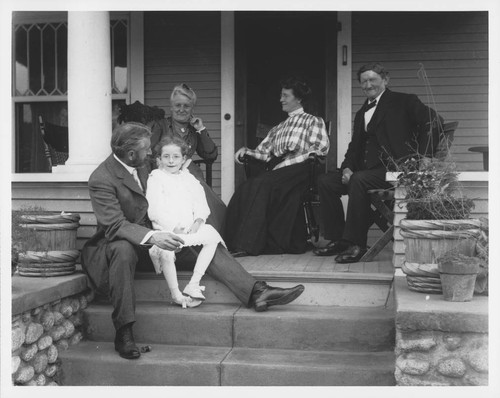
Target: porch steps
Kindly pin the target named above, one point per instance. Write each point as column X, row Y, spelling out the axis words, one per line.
column 230, row 345
column 97, row 364
column 340, row 332
column 321, row 288
column 294, row 327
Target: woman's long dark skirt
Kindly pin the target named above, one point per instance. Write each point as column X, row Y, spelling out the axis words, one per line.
column 265, row 214
column 216, row 205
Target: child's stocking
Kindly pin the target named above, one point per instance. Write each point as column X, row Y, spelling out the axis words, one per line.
column 169, row 271
column 202, row 262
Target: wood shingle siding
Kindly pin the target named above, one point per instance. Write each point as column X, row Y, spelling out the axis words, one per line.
column 452, row 46
column 184, row 47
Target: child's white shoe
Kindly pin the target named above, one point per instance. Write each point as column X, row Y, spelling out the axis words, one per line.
column 194, row 291
column 185, row 301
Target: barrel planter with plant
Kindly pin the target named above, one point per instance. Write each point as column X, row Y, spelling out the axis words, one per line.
column 44, row 243
column 437, row 220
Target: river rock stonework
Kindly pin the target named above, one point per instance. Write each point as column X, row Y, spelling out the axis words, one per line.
column 436, row 358
column 40, row 334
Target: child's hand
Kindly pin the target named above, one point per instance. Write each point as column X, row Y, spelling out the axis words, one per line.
column 196, row 226
column 179, row 230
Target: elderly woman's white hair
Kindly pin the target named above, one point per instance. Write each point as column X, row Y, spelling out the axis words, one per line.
column 185, row 90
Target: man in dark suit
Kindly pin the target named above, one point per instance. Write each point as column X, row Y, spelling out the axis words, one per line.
column 124, row 233
column 388, row 125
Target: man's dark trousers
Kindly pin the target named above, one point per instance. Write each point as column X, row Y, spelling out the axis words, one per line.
column 123, row 258
column 357, row 221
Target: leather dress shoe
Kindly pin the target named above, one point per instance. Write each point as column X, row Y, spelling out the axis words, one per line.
column 351, row 255
column 125, row 344
column 264, row 296
column 332, row 248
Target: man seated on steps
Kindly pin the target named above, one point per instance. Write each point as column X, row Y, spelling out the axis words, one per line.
column 124, row 235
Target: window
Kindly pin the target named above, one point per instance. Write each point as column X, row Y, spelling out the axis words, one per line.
column 40, row 88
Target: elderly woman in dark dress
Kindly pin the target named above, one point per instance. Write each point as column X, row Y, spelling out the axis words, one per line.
column 184, row 124
column 265, row 214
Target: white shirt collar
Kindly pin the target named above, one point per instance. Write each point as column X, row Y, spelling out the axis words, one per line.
column 296, row 112
column 377, row 98
column 127, row 167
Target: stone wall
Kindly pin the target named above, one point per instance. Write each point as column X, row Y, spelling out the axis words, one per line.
column 438, row 342
column 39, row 334
column 435, row 358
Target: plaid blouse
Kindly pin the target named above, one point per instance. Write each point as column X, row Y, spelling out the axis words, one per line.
column 295, row 138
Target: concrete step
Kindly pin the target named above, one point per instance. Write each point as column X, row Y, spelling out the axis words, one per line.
column 296, row 327
column 264, row 367
column 97, row 364
column 321, row 288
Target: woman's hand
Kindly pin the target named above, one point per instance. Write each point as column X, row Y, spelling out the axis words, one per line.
column 196, row 226
column 238, row 156
column 346, row 175
column 197, row 123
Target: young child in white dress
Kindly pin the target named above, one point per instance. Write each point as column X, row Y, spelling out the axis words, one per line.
column 177, row 204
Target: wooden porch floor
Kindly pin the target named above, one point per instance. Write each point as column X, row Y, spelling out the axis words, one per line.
column 309, row 263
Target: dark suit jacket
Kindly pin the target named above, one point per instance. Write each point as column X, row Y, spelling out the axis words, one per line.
column 121, row 209
column 400, row 122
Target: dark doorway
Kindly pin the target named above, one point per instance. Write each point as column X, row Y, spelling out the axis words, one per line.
column 271, row 46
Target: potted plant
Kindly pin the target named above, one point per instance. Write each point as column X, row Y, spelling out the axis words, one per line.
column 43, row 242
column 458, row 274
column 437, row 220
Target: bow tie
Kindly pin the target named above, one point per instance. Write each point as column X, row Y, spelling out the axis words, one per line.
column 370, row 105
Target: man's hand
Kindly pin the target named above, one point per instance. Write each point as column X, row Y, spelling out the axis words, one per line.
column 166, row 241
column 239, row 154
column 346, row 175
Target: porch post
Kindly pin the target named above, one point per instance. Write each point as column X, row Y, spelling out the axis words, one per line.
column 227, row 105
column 89, row 90
column 137, row 56
column 344, row 85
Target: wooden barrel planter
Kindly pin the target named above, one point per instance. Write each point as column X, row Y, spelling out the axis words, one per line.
column 52, row 248
column 426, row 241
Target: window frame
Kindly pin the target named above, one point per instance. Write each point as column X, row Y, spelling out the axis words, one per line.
column 35, row 17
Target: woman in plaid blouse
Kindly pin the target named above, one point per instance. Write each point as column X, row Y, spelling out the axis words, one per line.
column 265, row 214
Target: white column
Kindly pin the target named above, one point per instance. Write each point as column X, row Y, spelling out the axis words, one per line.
column 136, row 56
column 89, row 91
column 344, row 89
column 344, row 86
column 227, row 105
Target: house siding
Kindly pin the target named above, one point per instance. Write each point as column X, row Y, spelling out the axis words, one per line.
column 70, row 197
column 453, row 48
column 184, row 47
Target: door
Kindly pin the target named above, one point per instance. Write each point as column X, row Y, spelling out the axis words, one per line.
column 270, row 46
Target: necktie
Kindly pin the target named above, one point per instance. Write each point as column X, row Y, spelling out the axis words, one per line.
column 136, row 178
column 370, row 105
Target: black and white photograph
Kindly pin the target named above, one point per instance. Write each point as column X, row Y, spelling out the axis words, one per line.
column 275, row 196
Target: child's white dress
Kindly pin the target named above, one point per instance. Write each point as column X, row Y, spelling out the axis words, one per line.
column 176, row 200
